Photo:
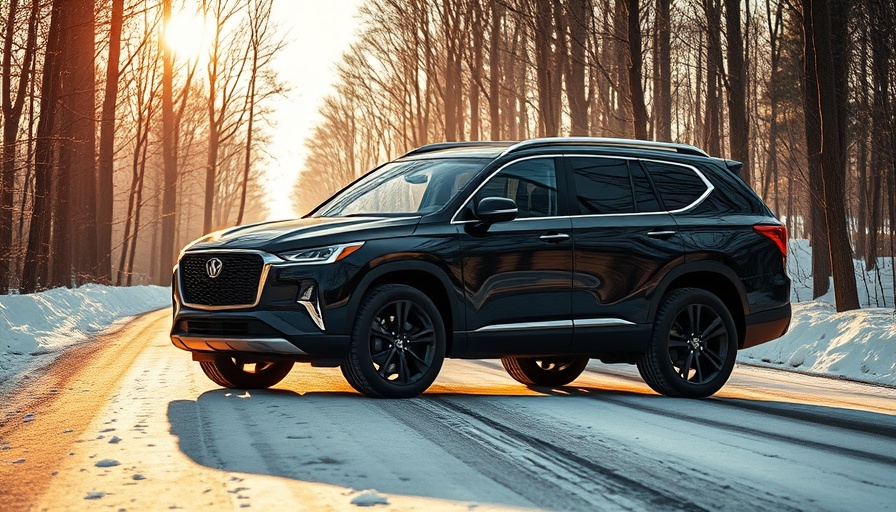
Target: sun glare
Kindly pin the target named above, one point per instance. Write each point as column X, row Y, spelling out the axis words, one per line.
column 187, row 34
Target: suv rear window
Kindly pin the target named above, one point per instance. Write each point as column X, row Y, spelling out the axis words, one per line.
column 677, row 185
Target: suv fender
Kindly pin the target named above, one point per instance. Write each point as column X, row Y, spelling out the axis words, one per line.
column 397, row 272
column 692, row 269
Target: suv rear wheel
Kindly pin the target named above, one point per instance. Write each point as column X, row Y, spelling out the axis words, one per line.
column 230, row 372
column 397, row 345
column 545, row 371
column 693, row 346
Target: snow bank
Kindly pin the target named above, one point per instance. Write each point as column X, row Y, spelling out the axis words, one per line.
column 46, row 322
column 858, row 345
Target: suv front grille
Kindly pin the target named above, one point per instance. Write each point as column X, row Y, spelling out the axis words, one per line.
column 236, row 285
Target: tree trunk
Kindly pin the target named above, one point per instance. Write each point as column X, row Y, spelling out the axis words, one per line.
column 663, row 81
column 639, row 110
column 819, row 37
column 575, row 75
column 79, row 99
column 739, row 129
column 821, row 256
column 105, row 191
column 35, row 272
column 12, row 114
column 712, row 139
column 495, row 69
column 169, row 154
column 546, row 70
column 476, row 69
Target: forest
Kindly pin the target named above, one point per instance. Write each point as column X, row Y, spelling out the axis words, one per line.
column 121, row 143
column 130, row 128
column 800, row 91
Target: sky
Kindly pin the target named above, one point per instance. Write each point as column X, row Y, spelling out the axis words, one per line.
column 317, row 32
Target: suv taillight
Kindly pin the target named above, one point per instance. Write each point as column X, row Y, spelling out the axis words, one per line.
column 775, row 233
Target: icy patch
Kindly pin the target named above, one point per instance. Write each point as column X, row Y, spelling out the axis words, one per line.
column 368, row 498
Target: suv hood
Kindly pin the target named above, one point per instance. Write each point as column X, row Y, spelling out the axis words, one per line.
column 287, row 235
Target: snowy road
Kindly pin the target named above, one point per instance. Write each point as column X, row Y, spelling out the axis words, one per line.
column 131, row 423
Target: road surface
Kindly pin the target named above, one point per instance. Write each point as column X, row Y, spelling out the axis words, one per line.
column 128, row 422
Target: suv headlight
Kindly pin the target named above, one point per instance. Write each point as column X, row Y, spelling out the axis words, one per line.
column 321, row 255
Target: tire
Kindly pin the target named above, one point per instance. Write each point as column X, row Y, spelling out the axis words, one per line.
column 397, row 343
column 545, row 371
column 693, row 346
column 229, row 372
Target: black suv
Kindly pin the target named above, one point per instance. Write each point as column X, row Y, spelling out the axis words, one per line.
column 543, row 253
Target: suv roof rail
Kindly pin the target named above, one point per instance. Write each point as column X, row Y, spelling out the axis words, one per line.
column 449, row 145
column 607, row 142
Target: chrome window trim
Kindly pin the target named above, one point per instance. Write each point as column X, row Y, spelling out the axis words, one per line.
column 454, row 219
column 267, row 258
column 709, row 188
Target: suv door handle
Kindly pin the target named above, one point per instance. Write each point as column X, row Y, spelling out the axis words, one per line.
column 661, row 234
column 554, row 238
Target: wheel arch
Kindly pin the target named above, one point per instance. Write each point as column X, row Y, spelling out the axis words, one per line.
column 422, row 275
column 713, row 277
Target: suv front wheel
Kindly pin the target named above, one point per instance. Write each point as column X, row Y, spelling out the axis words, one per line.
column 397, row 344
column 693, row 346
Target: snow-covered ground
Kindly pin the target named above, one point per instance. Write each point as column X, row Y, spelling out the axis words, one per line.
column 35, row 328
column 858, row 345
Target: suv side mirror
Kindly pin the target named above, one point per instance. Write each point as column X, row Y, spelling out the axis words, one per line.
column 496, row 209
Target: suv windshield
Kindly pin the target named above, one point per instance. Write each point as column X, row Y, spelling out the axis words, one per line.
column 399, row 188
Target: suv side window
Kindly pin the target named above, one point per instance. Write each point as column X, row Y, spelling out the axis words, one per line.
column 677, row 185
column 532, row 184
column 602, row 185
column 645, row 197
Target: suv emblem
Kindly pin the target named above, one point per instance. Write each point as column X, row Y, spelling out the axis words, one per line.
column 213, row 267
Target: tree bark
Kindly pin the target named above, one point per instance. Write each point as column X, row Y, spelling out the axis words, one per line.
column 818, row 36
column 35, row 271
column 663, row 82
column 546, row 70
column 712, row 139
column 495, row 69
column 821, row 255
column 79, row 103
column 169, row 153
column 105, row 190
column 639, row 110
column 739, row 128
column 12, row 114
column 575, row 74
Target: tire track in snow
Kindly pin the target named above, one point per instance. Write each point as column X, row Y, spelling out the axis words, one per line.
column 762, row 433
column 565, row 480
